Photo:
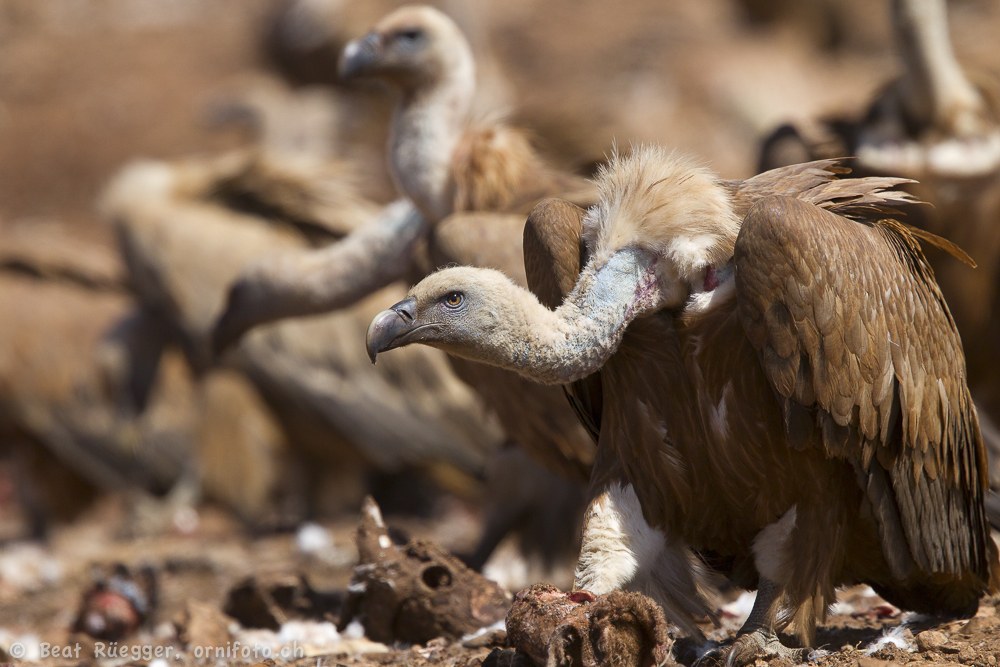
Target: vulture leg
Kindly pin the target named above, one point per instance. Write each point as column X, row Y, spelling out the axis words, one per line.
column 757, row 638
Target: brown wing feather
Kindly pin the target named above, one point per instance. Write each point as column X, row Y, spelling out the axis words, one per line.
column 495, row 168
column 818, row 183
column 855, row 337
column 554, row 253
column 553, row 249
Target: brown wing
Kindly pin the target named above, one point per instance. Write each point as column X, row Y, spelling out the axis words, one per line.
column 536, row 416
column 495, row 168
column 818, row 182
column 857, row 341
column 554, row 253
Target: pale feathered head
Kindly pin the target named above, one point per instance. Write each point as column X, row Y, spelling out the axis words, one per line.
column 415, row 47
column 663, row 202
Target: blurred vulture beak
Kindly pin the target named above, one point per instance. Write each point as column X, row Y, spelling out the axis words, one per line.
column 389, row 328
column 359, row 55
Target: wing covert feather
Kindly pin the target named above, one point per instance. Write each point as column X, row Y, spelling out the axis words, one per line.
column 849, row 324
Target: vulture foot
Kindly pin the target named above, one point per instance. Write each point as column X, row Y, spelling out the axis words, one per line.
column 762, row 644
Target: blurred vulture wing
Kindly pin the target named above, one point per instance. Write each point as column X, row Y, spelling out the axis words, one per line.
column 485, row 239
column 496, row 168
column 856, row 339
column 554, row 253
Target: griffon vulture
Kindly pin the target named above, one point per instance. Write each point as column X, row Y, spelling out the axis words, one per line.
column 461, row 176
column 782, row 390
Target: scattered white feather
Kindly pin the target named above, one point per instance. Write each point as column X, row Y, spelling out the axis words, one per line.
column 354, row 630
column 26, row 566
column 891, row 637
column 841, row 608
column 309, row 632
column 309, row 638
column 313, row 539
column 499, row 625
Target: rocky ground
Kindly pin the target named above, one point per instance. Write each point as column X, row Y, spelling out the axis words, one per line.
column 222, row 594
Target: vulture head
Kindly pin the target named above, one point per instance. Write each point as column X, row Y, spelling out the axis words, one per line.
column 421, row 53
column 413, row 49
column 453, row 309
column 661, row 237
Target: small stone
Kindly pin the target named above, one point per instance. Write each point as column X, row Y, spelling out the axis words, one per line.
column 953, row 647
column 866, row 661
column 991, row 659
column 931, row 639
column 781, row 662
column 846, row 648
column 202, row 624
column 967, row 655
column 979, row 624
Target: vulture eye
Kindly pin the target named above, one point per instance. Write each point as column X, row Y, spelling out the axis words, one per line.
column 454, row 299
column 410, row 37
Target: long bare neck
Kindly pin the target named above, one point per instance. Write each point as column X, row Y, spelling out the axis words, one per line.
column 938, row 92
column 426, row 128
column 575, row 340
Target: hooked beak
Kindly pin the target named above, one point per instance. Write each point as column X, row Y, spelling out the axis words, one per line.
column 390, row 326
column 360, row 54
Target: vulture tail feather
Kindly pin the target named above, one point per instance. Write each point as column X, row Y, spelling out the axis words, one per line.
column 942, row 244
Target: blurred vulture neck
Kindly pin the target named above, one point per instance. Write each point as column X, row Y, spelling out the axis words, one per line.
column 570, row 343
column 427, row 126
column 938, row 94
column 366, row 260
column 320, row 281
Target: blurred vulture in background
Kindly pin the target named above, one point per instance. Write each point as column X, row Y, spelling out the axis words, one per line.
column 63, row 428
column 473, row 184
column 778, row 339
column 187, row 229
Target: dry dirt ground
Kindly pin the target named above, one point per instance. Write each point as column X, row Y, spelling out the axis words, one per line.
column 198, row 567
